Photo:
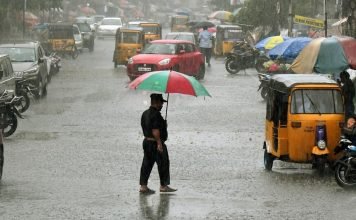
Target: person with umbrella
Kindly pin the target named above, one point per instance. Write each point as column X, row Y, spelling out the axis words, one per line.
column 348, row 91
column 155, row 151
column 205, row 43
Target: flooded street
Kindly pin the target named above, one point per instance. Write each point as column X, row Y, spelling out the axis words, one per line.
column 78, row 152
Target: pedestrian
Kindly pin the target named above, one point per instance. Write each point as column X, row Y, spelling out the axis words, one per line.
column 350, row 130
column 348, row 91
column 206, row 43
column 154, row 128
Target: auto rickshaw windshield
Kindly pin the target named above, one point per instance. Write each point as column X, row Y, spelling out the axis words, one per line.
column 316, row 101
column 151, row 29
column 233, row 35
column 131, row 38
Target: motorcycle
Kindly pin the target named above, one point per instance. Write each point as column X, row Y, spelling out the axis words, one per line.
column 345, row 167
column 55, row 64
column 8, row 113
column 243, row 56
column 264, row 80
column 24, row 89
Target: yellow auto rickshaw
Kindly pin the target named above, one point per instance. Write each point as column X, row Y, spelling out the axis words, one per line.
column 226, row 37
column 304, row 117
column 153, row 31
column 61, row 39
column 179, row 23
column 127, row 44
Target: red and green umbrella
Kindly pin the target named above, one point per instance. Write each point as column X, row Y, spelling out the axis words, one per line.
column 326, row 55
column 168, row 81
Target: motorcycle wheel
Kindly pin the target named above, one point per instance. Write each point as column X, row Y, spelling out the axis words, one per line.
column 341, row 179
column 11, row 121
column 24, row 104
column 1, row 159
column 264, row 93
column 268, row 160
column 232, row 66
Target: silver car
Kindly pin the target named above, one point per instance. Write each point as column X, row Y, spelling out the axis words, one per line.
column 108, row 27
column 188, row 36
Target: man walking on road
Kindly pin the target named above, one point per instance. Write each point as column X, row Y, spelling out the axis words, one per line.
column 155, row 131
column 206, row 43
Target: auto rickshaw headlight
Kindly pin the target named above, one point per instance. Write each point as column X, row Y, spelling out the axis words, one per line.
column 130, row 61
column 321, row 144
column 164, row 61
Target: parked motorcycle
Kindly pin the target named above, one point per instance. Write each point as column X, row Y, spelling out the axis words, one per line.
column 264, row 80
column 8, row 113
column 24, row 89
column 55, row 64
column 345, row 167
column 244, row 56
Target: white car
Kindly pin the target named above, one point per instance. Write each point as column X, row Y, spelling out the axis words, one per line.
column 188, row 36
column 108, row 27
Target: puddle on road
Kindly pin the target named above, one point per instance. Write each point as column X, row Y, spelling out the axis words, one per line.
column 37, row 136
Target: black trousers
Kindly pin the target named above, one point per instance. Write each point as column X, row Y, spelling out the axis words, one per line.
column 207, row 53
column 152, row 156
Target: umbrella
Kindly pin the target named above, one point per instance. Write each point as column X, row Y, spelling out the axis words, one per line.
column 221, row 15
column 326, row 55
column 167, row 81
column 289, row 49
column 203, row 24
column 270, row 42
column 211, row 29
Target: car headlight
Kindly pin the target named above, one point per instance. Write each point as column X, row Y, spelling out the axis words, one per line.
column 164, row 61
column 32, row 70
column 321, row 144
column 130, row 61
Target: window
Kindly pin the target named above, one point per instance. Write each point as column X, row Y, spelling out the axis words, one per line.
column 188, row 48
column 316, row 101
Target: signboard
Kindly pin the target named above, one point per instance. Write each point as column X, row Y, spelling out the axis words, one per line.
column 309, row 21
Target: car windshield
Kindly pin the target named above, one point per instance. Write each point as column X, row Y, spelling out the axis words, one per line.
column 162, row 48
column 180, row 37
column 316, row 101
column 19, row 54
column 111, row 22
column 151, row 29
column 84, row 27
column 85, row 20
column 129, row 37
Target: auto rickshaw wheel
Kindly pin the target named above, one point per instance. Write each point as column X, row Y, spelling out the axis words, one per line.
column 115, row 64
column 268, row 160
column 75, row 53
column 91, row 47
column 320, row 163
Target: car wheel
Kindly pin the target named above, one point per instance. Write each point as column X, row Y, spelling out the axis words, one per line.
column 38, row 93
column 75, row 53
column 44, row 91
column 201, row 72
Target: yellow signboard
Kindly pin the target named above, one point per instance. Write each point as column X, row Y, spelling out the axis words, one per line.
column 309, row 21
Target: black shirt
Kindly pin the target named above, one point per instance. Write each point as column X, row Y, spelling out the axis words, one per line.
column 152, row 119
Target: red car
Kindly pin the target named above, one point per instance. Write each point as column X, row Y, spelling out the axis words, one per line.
column 181, row 56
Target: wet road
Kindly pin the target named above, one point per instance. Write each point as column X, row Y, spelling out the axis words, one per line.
column 77, row 154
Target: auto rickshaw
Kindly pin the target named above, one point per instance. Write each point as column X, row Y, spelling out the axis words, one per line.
column 152, row 30
column 128, row 42
column 61, row 39
column 226, row 37
column 179, row 23
column 304, row 118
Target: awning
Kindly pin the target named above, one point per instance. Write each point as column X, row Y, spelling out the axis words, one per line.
column 340, row 22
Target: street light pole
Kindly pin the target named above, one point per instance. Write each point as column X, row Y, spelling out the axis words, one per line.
column 290, row 26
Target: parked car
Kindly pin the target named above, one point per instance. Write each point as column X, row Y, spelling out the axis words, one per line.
column 7, row 78
column 29, row 62
column 108, row 27
column 179, row 55
column 189, row 36
column 87, row 36
column 78, row 38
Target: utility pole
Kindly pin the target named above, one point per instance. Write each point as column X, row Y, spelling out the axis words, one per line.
column 290, row 26
column 325, row 19
column 23, row 20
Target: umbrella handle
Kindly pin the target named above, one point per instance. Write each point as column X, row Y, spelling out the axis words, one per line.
column 167, row 107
